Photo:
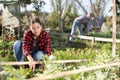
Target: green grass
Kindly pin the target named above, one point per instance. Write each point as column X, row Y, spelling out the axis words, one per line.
column 100, row 53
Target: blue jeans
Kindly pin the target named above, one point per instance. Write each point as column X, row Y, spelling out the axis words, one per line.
column 76, row 25
column 17, row 49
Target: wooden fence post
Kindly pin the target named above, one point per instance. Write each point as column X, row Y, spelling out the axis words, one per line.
column 92, row 43
column 114, row 29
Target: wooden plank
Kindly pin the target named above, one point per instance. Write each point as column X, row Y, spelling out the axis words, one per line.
column 41, row 62
column 68, row 73
column 70, row 61
column 90, row 37
column 18, row 63
column 98, row 38
column 85, row 37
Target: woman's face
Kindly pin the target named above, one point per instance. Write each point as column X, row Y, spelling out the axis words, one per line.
column 36, row 29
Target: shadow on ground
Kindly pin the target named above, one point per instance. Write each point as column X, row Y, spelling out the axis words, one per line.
column 76, row 45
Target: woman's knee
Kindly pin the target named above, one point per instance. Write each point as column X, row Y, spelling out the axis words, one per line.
column 17, row 43
column 38, row 55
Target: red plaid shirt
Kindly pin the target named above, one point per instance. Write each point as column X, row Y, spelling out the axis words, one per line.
column 43, row 42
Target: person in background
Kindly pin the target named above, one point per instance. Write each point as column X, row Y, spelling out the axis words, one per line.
column 36, row 43
column 98, row 21
column 85, row 20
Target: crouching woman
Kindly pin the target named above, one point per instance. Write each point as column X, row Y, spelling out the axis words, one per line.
column 36, row 42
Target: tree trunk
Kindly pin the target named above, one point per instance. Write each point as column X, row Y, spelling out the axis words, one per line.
column 63, row 15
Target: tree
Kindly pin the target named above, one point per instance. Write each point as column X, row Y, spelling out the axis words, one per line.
column 118, row 11
column 118, row 7
column 38, row 5
column 62, row 8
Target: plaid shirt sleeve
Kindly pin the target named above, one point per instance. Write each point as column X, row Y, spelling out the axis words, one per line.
column 25, row 44
column 47, row 48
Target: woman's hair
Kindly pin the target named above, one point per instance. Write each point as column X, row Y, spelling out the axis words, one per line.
column 36, row 20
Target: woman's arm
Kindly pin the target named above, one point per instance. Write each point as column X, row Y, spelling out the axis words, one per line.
column 47, row 47
column 26, row 43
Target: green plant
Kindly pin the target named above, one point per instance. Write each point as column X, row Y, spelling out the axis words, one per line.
column 6, row 50
column 10, row 73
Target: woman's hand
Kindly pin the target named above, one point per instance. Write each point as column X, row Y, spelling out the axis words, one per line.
column 31, row 64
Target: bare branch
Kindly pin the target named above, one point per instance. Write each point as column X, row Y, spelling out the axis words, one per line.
column 41, row 62
column 82, row 6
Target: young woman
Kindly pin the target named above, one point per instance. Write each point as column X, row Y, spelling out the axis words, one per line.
column 36, row 43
